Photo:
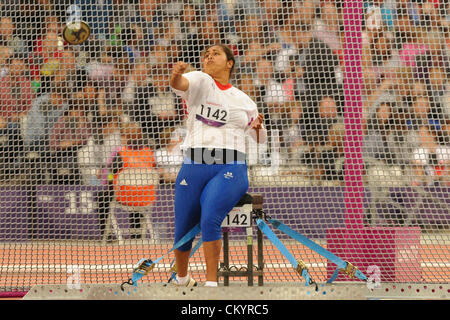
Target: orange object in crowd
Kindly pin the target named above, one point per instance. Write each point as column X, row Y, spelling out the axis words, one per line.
column 134, row 184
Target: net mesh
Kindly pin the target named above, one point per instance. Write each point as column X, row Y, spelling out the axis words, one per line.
column 356, row 104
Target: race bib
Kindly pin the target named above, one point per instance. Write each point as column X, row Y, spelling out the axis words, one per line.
column 212, row 114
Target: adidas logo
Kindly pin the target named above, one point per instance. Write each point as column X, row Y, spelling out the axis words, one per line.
column 228, row 175
column 183, row 183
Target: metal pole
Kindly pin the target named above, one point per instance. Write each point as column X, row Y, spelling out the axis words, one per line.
column 226, row 259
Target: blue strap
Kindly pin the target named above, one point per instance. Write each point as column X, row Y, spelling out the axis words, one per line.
column 333, row 276
column 341, row 264
column 138, row 274
column 187, row 237
column 274, row 239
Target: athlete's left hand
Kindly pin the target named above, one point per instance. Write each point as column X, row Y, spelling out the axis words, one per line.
column 257, row 123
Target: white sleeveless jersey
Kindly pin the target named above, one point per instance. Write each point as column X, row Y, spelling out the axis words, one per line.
column 218, row 117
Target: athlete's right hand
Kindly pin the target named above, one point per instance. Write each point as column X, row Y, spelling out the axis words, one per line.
column 177, row 81
column 179, row 68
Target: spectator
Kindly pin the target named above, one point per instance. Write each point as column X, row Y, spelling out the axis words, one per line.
column 421, row 109
column 200, row 26
column 16, row 97
column 379, row 14
column 5, row 54
column 125, row 26
column 16, row 94
column 159, row 55
column 85, row 94
column 10, row 38
column 167, row 31
column 316, row 121
column 133, row 39
column 100, row 70
column 401, row 90
column 122, row 68
column 101, row 144
column 168, row 40
column 190, row 18
column 267, row 98
column 331, row 154
column 293, row 36
column 403, row 24
column 319, row 63
column 93, row 159
column 149, row 13
column 428, row 157
column 327, row 27
column 437, row 90
column 139, row 77
column 425, row 112
column 254, row 40
column 429, row 15
column 375, row 144
column 170, row 156
column 280, row 97
column 11, row 150
column 70, row 133
column 275, row 93
column 247, row 83
column 52, row 102
column 444, row 99
column 293, row 135
column 134, row 176
column 165, row 105
column 111, row 71
column 443, row 157
column 153, row 105
column 382, row 56
column 29, row 19
column 271, row 11
column 47, row 46
column 307, row 10
column 411, row 50
column 401, row 137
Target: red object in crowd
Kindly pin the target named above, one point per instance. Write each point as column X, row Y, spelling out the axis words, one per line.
column 38, row 56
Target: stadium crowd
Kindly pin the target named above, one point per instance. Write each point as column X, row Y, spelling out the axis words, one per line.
column 63, row 106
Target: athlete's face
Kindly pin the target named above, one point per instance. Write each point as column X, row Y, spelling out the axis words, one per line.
column 215, row 61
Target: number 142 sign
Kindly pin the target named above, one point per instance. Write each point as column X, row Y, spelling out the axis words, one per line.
column 239, row 217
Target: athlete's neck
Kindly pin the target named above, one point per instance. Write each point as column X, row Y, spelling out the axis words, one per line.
column 222, row 80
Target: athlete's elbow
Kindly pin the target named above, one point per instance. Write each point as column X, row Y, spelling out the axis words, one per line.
column 179, row 83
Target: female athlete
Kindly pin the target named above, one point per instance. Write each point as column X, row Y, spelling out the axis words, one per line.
column 213, row 177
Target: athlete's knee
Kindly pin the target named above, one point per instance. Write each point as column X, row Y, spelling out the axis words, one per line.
column 185, row 247
column 211, row 230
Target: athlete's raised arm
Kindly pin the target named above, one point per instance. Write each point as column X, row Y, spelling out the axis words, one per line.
column 177, row 81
